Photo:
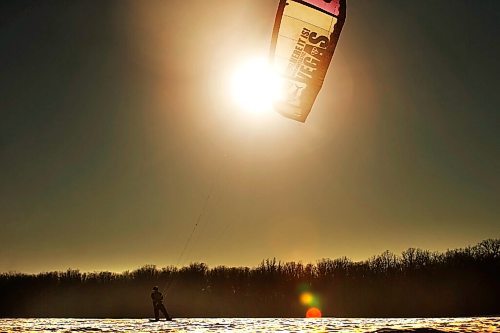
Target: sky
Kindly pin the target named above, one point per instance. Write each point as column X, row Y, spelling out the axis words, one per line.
column 118, row 135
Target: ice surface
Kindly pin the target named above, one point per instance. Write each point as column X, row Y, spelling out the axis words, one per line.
column 282, row 325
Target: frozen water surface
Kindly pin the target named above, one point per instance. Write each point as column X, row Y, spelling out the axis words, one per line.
column 381, row 325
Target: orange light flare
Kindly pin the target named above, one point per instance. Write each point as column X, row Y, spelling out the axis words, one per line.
column 313, row 313
column 306, row 298
column 311, row 301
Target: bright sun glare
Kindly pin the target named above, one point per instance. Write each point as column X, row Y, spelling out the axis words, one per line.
column 255, row 86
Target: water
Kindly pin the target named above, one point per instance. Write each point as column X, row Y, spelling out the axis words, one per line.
column 282, row 325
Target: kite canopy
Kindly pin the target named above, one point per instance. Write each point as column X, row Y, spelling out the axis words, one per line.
column 304, row 38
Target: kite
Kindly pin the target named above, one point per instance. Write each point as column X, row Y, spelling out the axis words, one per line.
column 304, row 38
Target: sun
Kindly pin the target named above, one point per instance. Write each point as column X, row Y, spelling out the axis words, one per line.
column 255, row 86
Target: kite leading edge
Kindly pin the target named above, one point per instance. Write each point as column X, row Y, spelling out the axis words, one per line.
column 304, row 38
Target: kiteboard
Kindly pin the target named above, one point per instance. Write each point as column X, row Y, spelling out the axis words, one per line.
column 154, row 320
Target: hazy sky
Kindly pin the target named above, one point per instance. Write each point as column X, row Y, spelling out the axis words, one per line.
column 116, row 124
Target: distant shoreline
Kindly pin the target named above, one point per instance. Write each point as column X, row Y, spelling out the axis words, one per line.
column 417, row 283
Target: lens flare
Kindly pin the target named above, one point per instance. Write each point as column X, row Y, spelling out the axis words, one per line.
column 306, row 298
column 313, row 313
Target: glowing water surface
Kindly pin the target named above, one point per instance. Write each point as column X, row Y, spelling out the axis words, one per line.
column 421, row 325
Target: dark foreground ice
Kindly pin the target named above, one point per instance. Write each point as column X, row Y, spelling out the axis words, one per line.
column 379, row 325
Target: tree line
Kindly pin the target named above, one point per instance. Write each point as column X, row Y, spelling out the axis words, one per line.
column 416, row 283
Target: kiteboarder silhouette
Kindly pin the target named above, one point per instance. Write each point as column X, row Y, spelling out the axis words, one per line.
column 158, row 306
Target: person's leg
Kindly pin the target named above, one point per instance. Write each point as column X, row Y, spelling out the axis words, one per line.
column 164, row 311
column 157, row 313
